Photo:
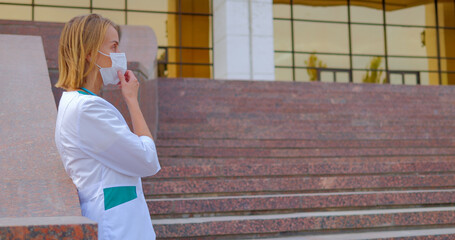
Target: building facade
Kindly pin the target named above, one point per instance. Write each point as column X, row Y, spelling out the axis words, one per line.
column 375, row 41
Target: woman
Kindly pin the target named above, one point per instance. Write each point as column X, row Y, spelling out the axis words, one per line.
column 102, row 156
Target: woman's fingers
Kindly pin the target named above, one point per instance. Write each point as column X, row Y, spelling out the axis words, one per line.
column 129, row 84
column 120, row 76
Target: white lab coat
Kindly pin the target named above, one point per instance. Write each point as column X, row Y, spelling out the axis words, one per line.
column 106, row 161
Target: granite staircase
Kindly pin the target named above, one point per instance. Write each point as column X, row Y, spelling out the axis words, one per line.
column 280, row 160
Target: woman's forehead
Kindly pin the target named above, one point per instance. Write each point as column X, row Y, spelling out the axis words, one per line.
column 111, row 35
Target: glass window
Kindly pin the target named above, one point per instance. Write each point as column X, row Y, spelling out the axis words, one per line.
column 282, row 35
column 160, row 5
column 407, row 41
column 195, row 31
column 366, row 15
column 304, row 75
column 283, row 74
column 118, row 4
column 410, row 79
column 411, row 64
column 446, row 13
column 321, row 37
column 17, row 1
column 368, row 62
column 342, row 77
column 195, row 56
column 157, row 21
column 367, row 39
column 195, row 71
column 448, row 64
column 282, row 10
column 53, row 14
column 447, row 42
column 377, row 76
column 195, row 6
column 327, row 76
column 448, row 78
column 12, row 12
column 117, row 16
column 73, row 3
column 283, row 59
column 409, row 15
column 396, row 79
column 322, row 60
column 324, row 13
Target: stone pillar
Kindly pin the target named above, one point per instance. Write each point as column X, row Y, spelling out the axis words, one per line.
column 243, row 39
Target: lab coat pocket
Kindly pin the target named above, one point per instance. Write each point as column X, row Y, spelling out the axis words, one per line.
column 115, row 196
column 121, row 221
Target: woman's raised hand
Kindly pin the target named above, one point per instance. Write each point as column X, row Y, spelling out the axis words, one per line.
column 129, row 85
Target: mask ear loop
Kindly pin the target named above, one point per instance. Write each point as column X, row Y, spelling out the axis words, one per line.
column 104, row 55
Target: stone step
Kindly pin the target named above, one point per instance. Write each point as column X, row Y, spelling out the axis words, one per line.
column 360, row 118
column 300, row 87
column 322, row 164
column 353, row 123
column 298, row 153
column 285, row 203
column 303, row 222
column 284, row 143
column 165, row 188
column 245, row 168
column 302, row 127
column 276, row 134
column 193, row 103
column 408, row 234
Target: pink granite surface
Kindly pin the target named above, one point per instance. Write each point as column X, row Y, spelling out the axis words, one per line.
column 34, row 182
column 58, row 228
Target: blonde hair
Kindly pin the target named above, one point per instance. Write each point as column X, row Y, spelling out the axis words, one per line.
column 81, row 36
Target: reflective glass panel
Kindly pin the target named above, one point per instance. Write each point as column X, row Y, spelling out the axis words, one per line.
column 342, row 77
column 281, row 10
column 74, row 3
column 196, row 71
column 195, row 31
column 448, row 64
column 368, row 62
column 448, row 78
column 155, row 5
column 324, row 13
column 409, row 15
column 367, row 39
column 410, row 41
column 412, row 64
column 446, row 13
column 447, row 42
column 196, row 56
column 118, row 4
column 282, row 35
column 11, row 12
column 117, row 16
column 366, row 15
column 321, row 37
column 157, row 21
column 303, row 75
column 52, row 14
column 410, row 79
column 283, row 74
column 283, row 59
column 369, row 76
column 322, row 60
column 17, row 1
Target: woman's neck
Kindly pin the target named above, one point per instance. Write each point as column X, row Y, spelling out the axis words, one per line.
column 93, row 84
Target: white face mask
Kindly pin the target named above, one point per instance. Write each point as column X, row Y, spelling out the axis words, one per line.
column 109, row 75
